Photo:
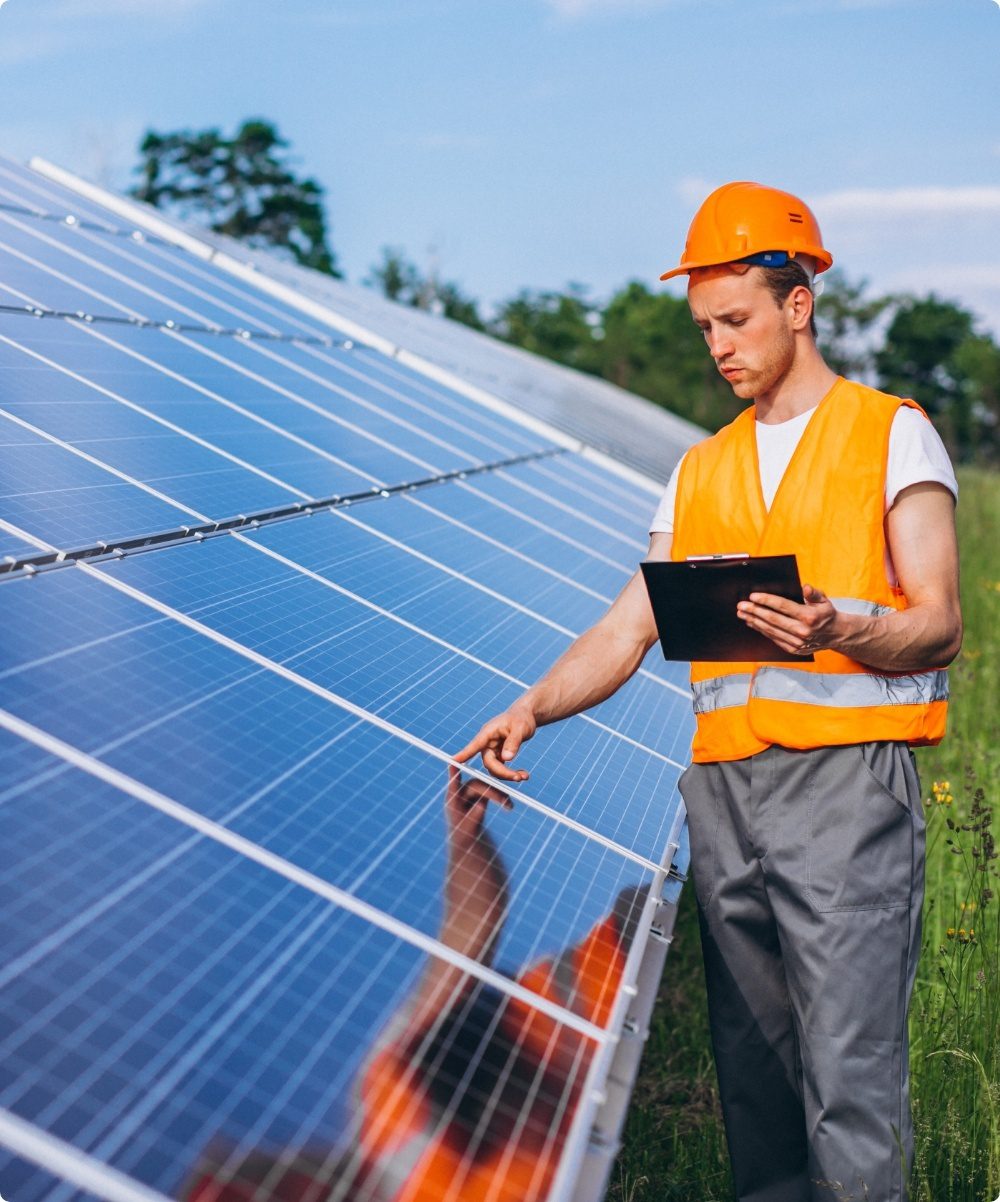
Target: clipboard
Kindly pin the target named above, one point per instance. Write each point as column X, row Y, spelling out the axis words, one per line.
column 694, row 603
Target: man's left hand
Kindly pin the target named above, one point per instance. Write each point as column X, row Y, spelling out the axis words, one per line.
column 800, row 629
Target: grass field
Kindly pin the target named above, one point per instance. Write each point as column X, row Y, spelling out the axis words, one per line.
column 674, row 1147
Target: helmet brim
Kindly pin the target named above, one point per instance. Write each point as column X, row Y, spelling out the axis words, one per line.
column 822, row 257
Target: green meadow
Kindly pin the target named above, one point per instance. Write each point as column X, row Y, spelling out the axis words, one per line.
column 673, row 1145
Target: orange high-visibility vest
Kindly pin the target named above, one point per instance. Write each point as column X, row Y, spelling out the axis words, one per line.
column 829, row 512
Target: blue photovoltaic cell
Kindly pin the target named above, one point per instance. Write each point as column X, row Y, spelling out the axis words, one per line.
column 37, row 264
column 610, row 499
column 198, row 1000
column 167, row 1004
column 427, row 395
column 111, row 271
column 35, row 1182
column 62, row 499
column 332, row 793
column 594, row 494
column 324, row 459
column 621, row 489
column 14, row 548
column 290, row 365
column 430, row 523
column 453, row 422
column 224, row 304
column 430, row 446
column 240, row 304
column 502, row 635
column 513, row 488
column 508, row 524
column 403, row 677
column 26, row 188
column 22, row 185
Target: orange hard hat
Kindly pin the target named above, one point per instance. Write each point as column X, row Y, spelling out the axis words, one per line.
column 751, row 223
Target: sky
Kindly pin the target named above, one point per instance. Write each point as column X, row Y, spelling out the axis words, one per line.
column 513, row 144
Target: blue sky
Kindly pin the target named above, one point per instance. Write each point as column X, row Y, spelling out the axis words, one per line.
column 527, row 143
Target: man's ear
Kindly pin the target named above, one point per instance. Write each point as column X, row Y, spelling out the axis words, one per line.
column 800, row 302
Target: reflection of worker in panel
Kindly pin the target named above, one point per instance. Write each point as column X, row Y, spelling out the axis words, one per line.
column 469, row 1092
column 804, row 811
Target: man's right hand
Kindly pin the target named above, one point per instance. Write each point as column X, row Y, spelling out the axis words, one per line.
column 499, row 740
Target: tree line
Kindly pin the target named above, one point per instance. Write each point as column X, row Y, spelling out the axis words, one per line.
column 926, row 347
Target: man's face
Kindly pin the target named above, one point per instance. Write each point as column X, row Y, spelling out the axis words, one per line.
column 749, row 336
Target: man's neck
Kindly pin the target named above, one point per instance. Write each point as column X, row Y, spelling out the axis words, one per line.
column 802, row 388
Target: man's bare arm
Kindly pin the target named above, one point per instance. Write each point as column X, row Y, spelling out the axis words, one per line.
column 593, row 667
column 920, row 528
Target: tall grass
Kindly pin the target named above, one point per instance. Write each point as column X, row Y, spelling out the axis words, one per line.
column 674, row 1147
column 955, row 1016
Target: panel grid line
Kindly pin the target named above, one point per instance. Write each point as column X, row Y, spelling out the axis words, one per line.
column 357, row 710
column 11, row 564
column 207, row 527
column 299, row 876
column 558, row 534
column 81, row 223
column 353, row 427
column 248, row 335
column 55, row 1155
column 219, row 914
column 117, row 551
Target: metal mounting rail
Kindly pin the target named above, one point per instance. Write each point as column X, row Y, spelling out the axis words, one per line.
column 181, row 327
column 28, row 565
column 80, row 223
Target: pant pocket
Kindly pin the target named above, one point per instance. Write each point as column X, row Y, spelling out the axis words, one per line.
column 697, row 787
column 861, row 829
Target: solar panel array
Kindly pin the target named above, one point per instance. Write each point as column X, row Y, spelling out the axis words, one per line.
column 644, row 436
column 258, row 583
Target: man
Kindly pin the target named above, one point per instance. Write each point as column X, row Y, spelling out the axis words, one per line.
column 803, row 801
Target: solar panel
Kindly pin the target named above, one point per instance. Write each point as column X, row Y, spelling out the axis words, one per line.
column 259, row 581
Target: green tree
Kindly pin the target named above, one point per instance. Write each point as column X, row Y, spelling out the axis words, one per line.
column 401, row 280
column 845, row 318
column 564, row 326
column 241, row 186
column 652, row 347
column 933, row 353
column 977, row 364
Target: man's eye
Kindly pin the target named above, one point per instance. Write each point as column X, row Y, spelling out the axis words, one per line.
column 742, row 321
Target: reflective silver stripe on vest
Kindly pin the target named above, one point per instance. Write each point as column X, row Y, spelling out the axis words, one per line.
column 721, row 692
column 850, row 690
column 854, row 605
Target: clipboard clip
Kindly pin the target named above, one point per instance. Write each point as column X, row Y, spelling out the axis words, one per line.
column 720, row 560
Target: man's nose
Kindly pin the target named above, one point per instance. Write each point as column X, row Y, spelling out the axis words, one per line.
column 719, row 344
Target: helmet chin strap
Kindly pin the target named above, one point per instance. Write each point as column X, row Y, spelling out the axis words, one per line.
column 808, row 265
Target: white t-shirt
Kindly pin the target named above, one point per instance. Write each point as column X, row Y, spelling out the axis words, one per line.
column 916, row 455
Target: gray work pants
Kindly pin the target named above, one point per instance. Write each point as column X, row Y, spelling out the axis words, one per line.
column 809, row 872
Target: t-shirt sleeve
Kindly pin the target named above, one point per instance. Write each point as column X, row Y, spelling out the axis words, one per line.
column 916, row 456
column 663, row 519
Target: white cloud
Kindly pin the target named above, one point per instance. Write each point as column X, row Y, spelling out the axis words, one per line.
column 88, row 9
column 693, row 189
column 71, row 25
column 574, row 10
column 878, row 204
column 30, row 47
column 893, row 203
column 975, row 286
column 370, row 14
column 813, row 7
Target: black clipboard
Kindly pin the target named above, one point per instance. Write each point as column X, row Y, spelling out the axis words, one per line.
column 694, row 603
